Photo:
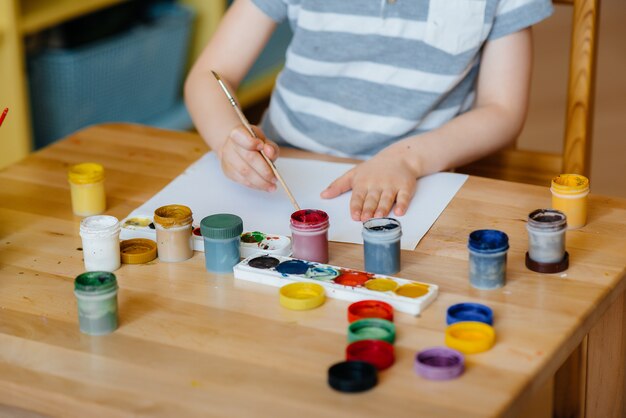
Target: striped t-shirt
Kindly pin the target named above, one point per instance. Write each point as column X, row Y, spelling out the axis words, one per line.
column 362, row 74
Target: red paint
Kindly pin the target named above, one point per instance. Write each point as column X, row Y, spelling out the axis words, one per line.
column 309, row 235
column 309, row 219
column 378, row 353
column 4, row 115
column 197, row 232
column 370, row 309
column 353, row 278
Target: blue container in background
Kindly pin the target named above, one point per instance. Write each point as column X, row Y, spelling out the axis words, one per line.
column 135, row 76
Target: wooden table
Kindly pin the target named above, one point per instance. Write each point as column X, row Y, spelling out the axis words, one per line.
column 194, row 344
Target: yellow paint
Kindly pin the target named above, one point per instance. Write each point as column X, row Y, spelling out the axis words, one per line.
column 412, row 290
column 470, row 337
column 381, row 285
column 171, row 216
column 87, row 189
column 569, row 195
column 141, row 222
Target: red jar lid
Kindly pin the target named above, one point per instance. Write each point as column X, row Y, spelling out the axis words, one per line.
column 370, row 309
column 379, row 354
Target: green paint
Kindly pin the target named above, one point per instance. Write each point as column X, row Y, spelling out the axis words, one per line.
column 252, row 237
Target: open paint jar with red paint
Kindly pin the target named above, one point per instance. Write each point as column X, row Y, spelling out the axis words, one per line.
column 309, row 235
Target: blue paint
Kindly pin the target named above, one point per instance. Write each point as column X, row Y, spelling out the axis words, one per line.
column 381, row 245
column 487, row 258
column 469, row 312
column 323, row 273
column 297, row 267
column 221, row 234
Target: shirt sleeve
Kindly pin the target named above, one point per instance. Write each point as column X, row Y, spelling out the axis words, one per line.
column 515, row 15
column 275, row 9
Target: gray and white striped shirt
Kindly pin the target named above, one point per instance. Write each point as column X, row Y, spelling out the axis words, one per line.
column 362, row 74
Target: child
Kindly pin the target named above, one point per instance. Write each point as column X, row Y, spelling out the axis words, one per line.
column 412, row 86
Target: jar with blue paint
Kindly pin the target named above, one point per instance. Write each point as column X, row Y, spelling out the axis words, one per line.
column 381, row 245
column 221, row 235
column 487, row 258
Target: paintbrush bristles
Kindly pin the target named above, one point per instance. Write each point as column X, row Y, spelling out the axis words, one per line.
column 247, row 125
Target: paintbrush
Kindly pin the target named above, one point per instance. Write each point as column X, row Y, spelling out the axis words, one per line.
column 245, row 123
column 4, row 114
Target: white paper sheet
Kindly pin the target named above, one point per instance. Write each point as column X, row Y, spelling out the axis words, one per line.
column 206, row 190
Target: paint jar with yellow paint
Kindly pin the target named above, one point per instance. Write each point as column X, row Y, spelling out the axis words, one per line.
column 87, row 189
column 569, row 195
column 174, row 238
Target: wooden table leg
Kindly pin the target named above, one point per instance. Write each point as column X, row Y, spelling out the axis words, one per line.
column 570, row 385
column 606, row 362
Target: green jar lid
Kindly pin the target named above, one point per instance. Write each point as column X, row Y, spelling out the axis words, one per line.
column 221, row 226
column 95, row 282
column 372, row 329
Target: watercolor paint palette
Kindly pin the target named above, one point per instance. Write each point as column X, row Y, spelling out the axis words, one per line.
column 253, row 242
column 340, row 283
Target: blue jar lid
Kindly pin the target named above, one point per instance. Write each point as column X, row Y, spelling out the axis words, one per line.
column 488, row 241
column 469, row 312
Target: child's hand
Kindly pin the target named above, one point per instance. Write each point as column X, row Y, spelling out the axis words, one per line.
column 376, row 184
column 242, row 162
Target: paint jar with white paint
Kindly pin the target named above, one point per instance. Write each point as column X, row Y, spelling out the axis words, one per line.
column 96, row 294
column 174, row 233
column 101, row 243
column 546, row 241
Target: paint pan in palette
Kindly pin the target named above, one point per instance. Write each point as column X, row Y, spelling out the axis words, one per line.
column 254, row 242
column 351, row 285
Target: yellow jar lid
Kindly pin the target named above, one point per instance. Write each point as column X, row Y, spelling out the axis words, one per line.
column 570, row 183
column 86, row 173
column 302, row 296
column 138, row 251
column 470, row 337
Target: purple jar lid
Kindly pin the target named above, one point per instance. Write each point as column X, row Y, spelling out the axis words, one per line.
column 439, row 363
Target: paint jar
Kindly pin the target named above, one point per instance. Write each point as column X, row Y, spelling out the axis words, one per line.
column 96, row 293
column 173, row 228
column 546, row 241
column 87, row 189
column 381, row 245
column 569, row 195
column 221, row 235
column 487, row 258
column 101, row 243
column 309, row 235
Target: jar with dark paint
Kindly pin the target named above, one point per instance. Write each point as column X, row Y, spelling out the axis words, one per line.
column 487, row 258
column 96, row 293
column 309, row 235
column 381, row 245
column 546, row 235
column 222, row 242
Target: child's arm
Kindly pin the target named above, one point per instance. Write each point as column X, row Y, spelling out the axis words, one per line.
column 242, row 34
column 495, row 121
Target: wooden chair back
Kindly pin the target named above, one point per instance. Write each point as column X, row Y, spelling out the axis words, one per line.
column 539, row 167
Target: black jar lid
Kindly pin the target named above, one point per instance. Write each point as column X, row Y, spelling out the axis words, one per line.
column 548, row 267
column 352, row 376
